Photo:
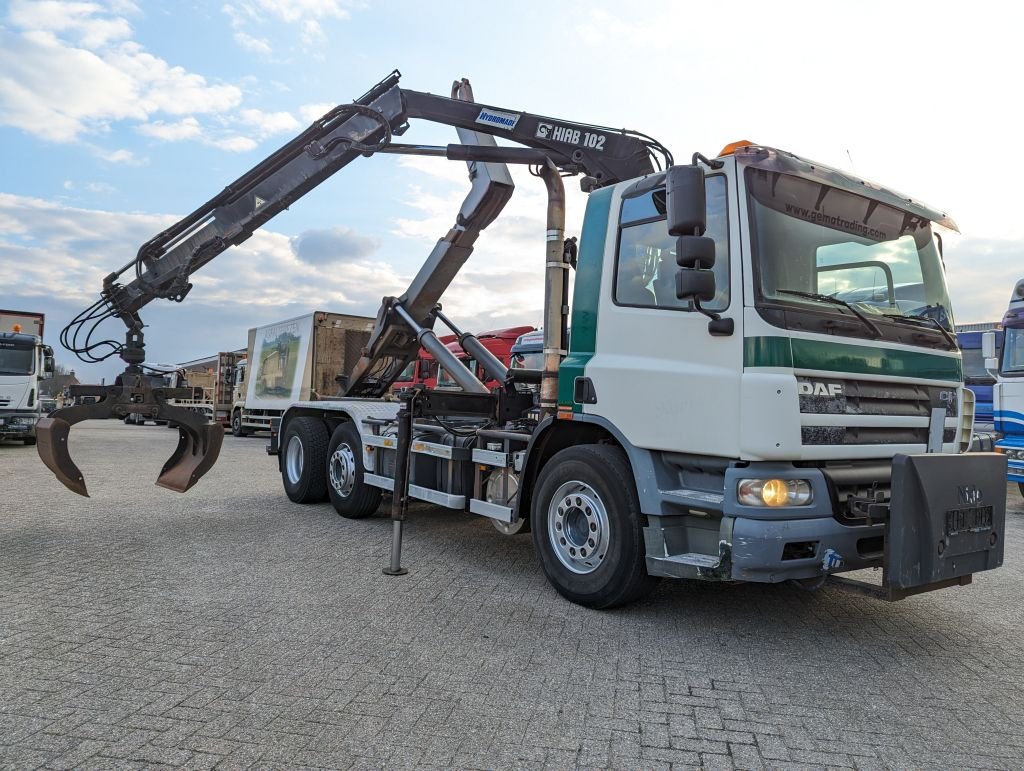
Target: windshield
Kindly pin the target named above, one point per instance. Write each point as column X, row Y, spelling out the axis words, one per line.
column 1013, row 352
column 528, row 360
column 974, row 367
column 17, row 359
column 814, row 239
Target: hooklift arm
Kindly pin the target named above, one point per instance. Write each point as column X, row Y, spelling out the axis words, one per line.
column 163, row 265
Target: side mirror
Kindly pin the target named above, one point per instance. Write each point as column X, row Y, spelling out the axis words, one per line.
column 988, row 345
column 992, row 364
column 685, row 206
column 695, row 284
column 48, row 365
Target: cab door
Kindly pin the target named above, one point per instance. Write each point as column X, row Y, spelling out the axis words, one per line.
column 658, row 375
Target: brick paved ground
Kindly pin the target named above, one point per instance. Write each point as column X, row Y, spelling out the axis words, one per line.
column 229, row 628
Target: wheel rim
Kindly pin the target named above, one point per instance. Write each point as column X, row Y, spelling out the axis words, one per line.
column 342, row 470
column 236, row 422
column 578, row 527
column 293, row 460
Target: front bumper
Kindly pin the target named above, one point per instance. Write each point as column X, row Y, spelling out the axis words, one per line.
column 944, row 521
column 1015, row 465
column 14, row 425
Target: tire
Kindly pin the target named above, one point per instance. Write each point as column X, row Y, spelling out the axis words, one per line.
column 351, row 497
column 303, row 460
column 236, row 424
column 588, row 528
column 29, row 441
column 1020, row 486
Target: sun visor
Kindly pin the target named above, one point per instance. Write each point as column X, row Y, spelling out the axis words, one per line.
column 782, row 162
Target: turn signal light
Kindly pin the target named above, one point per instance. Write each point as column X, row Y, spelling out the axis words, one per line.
column 16, row 328
column 773, row 492
column 732, row 147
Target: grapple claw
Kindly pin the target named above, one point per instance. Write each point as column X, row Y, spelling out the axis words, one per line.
column 194, row 456
column 52, row 444
column 199, row 442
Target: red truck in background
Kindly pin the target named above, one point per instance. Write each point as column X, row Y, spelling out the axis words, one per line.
column 425, row 369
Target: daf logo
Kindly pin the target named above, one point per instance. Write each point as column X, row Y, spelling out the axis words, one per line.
column 821, row 389
column 970, row 495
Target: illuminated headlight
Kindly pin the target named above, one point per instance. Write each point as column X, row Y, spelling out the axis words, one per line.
column 773, row 492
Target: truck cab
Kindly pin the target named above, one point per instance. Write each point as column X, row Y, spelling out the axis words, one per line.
column 1009, row 389
column 24, row 362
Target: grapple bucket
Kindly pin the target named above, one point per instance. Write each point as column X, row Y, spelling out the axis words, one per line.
column 199, row 442
column 52, row 444
column 194, row 456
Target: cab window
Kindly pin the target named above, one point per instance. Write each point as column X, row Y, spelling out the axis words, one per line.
column 645, row 274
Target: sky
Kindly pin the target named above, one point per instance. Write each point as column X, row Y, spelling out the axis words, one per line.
column 119, row 117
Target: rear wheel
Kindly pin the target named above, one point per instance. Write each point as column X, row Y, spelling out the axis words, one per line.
column 588, row 528
column 303, row 460
column 351, row 497
column 236, row 424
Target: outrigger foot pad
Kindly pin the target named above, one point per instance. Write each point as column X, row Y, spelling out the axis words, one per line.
column 199, row 442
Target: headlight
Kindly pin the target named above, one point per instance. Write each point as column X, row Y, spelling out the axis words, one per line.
column 773, row 492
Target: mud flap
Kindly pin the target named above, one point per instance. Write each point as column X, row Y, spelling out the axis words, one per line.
column 947, row 520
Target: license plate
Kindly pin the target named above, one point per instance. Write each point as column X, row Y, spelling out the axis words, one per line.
column 975, row 519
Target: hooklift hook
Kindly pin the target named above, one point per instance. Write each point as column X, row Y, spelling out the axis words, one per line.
column 199, row 442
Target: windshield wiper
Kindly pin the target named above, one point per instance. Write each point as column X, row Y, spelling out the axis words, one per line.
column 913, row 319
column 825, row 298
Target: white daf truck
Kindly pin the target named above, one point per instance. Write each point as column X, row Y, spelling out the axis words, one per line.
column 25, row 361
column 761, row 384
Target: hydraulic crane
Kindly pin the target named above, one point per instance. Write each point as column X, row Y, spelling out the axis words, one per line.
column 163, row 265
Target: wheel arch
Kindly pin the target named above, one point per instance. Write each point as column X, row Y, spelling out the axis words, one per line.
column 554, row 435
column 333, row 414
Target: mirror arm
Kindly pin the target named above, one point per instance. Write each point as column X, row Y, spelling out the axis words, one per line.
column 717, row 326
column 711, row 164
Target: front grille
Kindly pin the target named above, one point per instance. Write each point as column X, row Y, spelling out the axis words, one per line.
column 821, row 435
column 828, row 396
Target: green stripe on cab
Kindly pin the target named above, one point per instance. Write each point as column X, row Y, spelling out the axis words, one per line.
column 831, row 356
column 586, row 295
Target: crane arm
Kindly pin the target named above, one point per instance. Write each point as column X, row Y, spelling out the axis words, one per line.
column 163, row 265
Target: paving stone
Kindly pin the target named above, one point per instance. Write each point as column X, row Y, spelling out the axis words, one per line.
column 229, row 628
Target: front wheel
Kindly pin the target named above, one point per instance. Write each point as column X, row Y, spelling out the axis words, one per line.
column 351, row 497
column 236, row 424
column 588, row 528
column 303, row 457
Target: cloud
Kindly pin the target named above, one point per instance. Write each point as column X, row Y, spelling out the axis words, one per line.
column 312, row 112
column 187, row 128
column 72, row 70
column 306, row 15
column 981, row 275
column 268, row 123
column 54, row 257
column 333, row 245
column 253, row 44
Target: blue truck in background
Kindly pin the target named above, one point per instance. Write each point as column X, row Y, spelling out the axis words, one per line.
column 977, row 378
column 1008, row 392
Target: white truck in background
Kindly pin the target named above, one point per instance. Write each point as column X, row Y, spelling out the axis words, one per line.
column 24, row 362
column 300, row 359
